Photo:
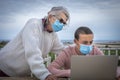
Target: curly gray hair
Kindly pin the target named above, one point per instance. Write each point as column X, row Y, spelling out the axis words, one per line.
column 58, row 10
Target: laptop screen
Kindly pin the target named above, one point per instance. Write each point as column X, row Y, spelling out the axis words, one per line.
column 94, row 67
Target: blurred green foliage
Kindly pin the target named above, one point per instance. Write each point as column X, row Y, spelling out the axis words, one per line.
column 52, row 55
column 3, row 43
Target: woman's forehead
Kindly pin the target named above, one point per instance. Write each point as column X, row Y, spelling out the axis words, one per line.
column 63, row 16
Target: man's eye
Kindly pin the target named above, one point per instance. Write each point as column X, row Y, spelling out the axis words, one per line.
column 85, row 42
column 91, row 42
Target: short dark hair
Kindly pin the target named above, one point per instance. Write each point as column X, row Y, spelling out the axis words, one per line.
column 82, row 30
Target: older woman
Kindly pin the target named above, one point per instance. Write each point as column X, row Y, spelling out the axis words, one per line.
column 24, row 54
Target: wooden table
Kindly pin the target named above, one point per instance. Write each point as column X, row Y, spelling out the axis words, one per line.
column 25, row 78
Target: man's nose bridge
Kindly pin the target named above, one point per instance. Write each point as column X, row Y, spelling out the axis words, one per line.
column 88, row 42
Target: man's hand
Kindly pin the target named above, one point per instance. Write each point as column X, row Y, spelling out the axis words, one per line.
column 51, row 77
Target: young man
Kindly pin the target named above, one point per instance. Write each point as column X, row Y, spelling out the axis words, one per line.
column 83, row 39
column 25, row 53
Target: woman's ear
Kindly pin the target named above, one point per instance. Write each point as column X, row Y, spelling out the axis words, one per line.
column 51, row 19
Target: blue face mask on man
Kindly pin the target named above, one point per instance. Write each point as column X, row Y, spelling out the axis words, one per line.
column 85, row 49
column 57, row 26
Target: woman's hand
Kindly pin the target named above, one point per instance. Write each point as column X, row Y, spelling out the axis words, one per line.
column 51, row 77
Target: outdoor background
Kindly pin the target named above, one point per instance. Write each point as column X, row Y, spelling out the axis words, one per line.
column 102, row 16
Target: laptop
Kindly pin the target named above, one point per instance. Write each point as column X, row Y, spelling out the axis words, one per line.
column 95, row 67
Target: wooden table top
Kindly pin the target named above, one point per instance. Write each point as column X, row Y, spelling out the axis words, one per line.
column 25, row 78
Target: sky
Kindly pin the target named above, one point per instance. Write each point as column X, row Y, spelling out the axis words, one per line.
column 101, row 16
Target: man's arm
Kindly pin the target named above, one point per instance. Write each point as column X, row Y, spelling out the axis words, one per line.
column 56, row 66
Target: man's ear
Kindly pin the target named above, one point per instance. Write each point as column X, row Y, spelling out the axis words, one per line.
column 75, row 41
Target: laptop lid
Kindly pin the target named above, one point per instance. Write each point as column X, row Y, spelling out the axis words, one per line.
column 95, row 67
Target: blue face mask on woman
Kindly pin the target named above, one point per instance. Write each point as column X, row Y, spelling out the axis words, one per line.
column 57, row 26
column 85, row 49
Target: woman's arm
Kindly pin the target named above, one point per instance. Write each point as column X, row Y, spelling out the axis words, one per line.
column 33, row 53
